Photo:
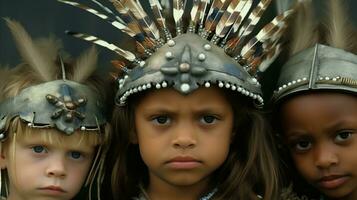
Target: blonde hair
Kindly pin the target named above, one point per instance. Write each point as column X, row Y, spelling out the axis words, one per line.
column 42, row 63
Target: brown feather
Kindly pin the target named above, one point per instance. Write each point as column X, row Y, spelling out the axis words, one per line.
column 85, row 65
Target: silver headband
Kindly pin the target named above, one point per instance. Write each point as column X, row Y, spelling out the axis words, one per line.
column 318, row 68
column 62, row 104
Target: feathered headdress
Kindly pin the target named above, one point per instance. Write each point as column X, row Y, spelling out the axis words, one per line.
column 217, row 47
column 321, row 58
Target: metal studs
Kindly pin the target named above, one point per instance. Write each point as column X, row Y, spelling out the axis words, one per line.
column 148, row 85
column 185, row 67
column 169, row 55
column 207, row 84
column 142, row 63
column 201, row 57
column 233, row 87
column 185, row 87
column 207, row 47
column 220, row 84
column 83, row 128
column 2, row 136
column 164, row 84
column 228, row 85
column 171, row 43
column 158, row 86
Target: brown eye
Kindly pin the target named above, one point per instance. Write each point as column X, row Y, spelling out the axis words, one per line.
column 303, row 145
column 343, row 136
column 161, row 120
column 208, row 119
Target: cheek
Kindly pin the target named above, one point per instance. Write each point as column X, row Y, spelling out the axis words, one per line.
column 304, row 165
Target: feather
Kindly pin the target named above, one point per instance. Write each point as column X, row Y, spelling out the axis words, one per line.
column 85, row 65
column 304, row 33
column 283, row 5
column 93, row 39
column 216, row 11
column 202, row 13
column 108, row 11
column 178, row 7
column 244, row 7
column 49, row 46
column 340, row 34
column 44, row 67
column 119, row 25
column 144, row 20
column 270, row 32
column 230, row 16
column 157, row 10
column 195, row 14
column 133, row 24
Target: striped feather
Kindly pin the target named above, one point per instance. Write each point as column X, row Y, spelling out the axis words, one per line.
column 133, row 25
column 108, row 11
column 202, row 13
column 195, row 15
column 144, row 20
column 93, row 39
column 161, row 21
column 122, row 27
column 228, row 18
column 216, row 11
column 178, row 11
column 269, row 32
column 244, row 7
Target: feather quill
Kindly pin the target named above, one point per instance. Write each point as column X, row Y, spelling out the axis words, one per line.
column 93, row 39
column 108, row 11
column 85, row 65
column 178, row 11
column 340, row 34
column 161, row 21
column 228, row 18
column 44, row 67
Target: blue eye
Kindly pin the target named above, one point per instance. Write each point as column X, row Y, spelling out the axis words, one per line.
column 208, row 119
column 39, row 149
column 75, row 155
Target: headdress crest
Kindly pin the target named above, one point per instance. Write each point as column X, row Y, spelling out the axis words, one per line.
column 320, row 61
column 216, row 48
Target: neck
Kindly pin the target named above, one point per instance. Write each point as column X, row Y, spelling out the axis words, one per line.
column 158, row 190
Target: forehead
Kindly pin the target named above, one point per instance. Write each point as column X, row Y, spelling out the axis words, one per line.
column 318, row 110
column 201, row 96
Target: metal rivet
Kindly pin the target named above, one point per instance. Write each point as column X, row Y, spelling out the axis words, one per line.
column 184, row 67
column 207, row 47
column 2, row 136
column 83, row 128
column 164, row 84
column 169, row 55
column 142, row 63
column 228, row 85
column 158, row 86
column 201, row 57
column 207, row 85
column 185, row 87
column 220, row 84
column 171, row 43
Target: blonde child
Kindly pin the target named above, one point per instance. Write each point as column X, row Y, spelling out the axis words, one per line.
column 52, row 122
column 316, row 103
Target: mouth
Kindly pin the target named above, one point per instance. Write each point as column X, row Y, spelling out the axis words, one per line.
column 332, row 181
column 52, row 189
column 184, row 162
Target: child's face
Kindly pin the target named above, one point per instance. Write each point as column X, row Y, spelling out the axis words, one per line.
column 38, row 170
column 321, row 130
column 183, row 139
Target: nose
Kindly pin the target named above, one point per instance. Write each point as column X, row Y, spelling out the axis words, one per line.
column 185, row 136
column 56, row 167
column 325, row 156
